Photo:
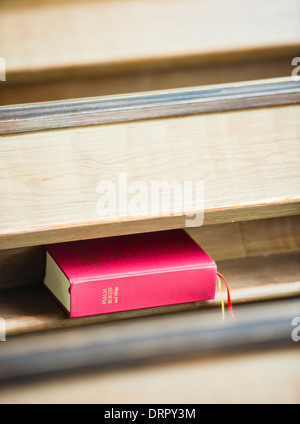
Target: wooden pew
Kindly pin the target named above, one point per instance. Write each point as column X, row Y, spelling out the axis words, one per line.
column 157, row 90
column 89, row 48
column 245, row 155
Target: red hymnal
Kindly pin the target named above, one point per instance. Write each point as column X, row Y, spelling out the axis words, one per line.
column 129, row 272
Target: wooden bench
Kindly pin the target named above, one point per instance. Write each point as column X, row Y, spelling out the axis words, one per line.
column 78, row 108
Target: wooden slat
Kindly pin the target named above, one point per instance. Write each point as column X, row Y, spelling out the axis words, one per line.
column 110, row 34
column 135, row 107
column 249, row 238
column 26, row 266
column 161, row 338
column 264, row 377
column 170, row 77
column 247, row 159
column 251, row 279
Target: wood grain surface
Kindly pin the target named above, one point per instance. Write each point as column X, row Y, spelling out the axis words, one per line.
column 153, row 105
column 247, row 159
column 274, row 64
column 110, row 34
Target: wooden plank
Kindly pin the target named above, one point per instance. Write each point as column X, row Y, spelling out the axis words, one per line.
column 264, row 377
column 173, row 77
column 251, row 279
column 135, row 107
column 249, row 238
column 74, row 231
column 113, row 34
column 264, row 325
column 248, row 161
column 26, row 266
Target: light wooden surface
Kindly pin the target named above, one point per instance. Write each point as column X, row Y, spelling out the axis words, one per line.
column 144, row 45
column 228, row 70
column 110, row 33
column 255, row 377
column 251, row 279
column 150, row 105
column 248, row 160
column 249, row 238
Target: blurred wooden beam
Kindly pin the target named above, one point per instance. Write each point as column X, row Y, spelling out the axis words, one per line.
column 148, row 339
column 136, row 107
column 110, row 35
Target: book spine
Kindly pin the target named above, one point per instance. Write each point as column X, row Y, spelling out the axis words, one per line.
column 142, row 291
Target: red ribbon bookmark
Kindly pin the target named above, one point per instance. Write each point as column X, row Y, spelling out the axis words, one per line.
column 228, row 295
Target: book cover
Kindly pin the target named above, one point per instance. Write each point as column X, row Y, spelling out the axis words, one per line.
column 123, row 273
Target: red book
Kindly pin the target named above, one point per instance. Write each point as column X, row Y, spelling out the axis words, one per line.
column 129, row 272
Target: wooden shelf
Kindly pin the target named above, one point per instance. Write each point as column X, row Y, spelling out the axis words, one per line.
column 26, row 266
column 251, row 279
